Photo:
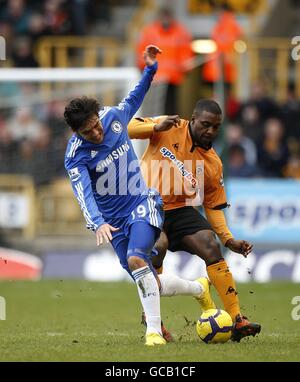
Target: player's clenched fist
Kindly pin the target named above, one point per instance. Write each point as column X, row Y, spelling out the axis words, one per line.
column 103, row 233
column 150, row 54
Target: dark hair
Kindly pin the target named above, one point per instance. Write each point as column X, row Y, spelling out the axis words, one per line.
column 207, row 105
column 166, row 12
column 79, row 110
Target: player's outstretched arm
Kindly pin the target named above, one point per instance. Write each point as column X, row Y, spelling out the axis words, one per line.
column 143, row 128
column 130, row 105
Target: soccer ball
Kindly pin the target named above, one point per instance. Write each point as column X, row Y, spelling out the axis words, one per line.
column 214, row 326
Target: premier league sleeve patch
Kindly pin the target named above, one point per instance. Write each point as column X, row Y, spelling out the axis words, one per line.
column 74, row 174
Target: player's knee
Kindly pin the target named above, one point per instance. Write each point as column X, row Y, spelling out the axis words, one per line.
column 161, row 246
column 157, row 261
column 135, row 262
column 211, row 249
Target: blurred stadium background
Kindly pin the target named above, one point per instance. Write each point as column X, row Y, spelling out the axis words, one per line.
column 57, row 49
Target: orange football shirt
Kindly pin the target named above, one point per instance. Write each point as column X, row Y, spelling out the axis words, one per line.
column 182, row 176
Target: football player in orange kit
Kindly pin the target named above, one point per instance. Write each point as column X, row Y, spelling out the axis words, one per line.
column 186, row 148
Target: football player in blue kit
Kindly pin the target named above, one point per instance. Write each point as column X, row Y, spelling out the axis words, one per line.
column 115, row 201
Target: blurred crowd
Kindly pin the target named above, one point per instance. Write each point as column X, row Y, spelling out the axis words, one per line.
column 262, row 136
column 23, row 22
column 33, row 141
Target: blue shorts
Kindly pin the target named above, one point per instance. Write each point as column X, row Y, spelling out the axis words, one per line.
column 149, row 211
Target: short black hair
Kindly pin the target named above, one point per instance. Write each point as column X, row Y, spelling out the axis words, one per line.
column 79, row 110
column 207, row 105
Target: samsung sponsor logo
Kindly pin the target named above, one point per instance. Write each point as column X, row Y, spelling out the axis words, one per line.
column 114, row 155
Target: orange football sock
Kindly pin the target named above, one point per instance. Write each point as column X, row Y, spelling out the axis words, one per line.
column 221, row 278
column 159, row 270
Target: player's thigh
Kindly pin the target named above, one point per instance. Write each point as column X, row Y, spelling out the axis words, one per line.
column 142, row 237
column 203, row 244
column 141, row 241
column 161, row 244
column 160, row 247
column 144, row 225
column 181, row 222
column 149, row 210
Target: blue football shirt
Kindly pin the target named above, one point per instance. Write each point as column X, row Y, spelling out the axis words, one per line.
column 106, row 177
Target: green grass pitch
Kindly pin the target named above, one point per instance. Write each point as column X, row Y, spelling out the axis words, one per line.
column 62, row 320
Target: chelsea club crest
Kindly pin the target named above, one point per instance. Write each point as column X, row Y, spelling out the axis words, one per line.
column 116, row 127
